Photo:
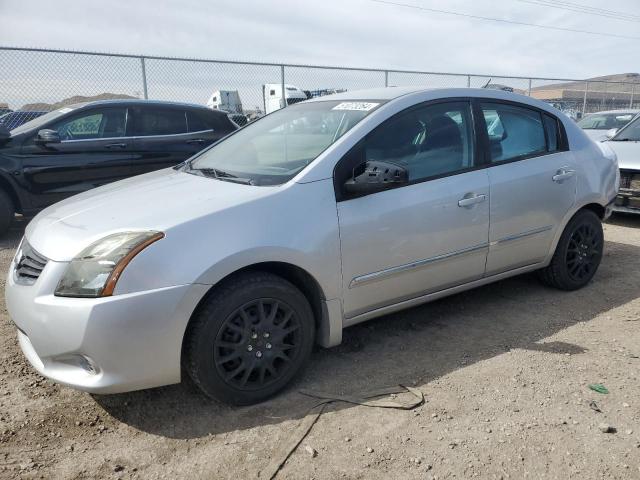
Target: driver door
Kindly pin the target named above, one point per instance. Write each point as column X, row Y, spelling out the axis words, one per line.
column 425, row 236
column 94, row 150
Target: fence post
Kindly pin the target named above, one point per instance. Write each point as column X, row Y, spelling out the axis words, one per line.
column 284, row 98
column 144, row 78
column 386, row 78
column 633, row 88
column 584, row 101
column 529, row 87
column 468, row 81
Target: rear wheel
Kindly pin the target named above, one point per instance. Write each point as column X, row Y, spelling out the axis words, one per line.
column 7, row 212
column 578, row 253
column 249, row 339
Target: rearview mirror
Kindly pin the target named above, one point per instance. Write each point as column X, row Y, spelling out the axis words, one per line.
column 374, row 176
column 611, row 133
column 46, row 136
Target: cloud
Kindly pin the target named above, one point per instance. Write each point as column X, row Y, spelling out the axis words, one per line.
column 358, row 33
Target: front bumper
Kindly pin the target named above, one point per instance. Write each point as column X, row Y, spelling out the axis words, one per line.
column 103, row 345
column 628, row 198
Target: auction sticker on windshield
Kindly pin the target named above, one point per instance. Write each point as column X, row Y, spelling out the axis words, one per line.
column 360, row 106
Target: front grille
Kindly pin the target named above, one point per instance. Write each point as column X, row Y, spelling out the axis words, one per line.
column 630, row 180
column 29, row 265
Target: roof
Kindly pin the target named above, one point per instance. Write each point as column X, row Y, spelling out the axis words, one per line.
column 391, row 93
column 384, row 93
column 136, row 101
column 620, row 110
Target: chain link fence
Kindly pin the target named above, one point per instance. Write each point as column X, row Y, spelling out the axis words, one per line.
column 35, row 81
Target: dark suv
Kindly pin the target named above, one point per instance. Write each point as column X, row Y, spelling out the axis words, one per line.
column 83, row 146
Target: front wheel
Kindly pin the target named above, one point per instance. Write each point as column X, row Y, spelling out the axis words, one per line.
column 578, row 253
column 249, row 339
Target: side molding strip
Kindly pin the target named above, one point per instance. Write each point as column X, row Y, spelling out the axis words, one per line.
column 518, row 236
column 379, row 275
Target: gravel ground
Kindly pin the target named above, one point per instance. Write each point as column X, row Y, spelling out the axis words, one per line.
column 504, row 370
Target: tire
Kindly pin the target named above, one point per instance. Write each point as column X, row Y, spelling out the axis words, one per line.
column 578, row 253
column 7, row 212
column 249, row 339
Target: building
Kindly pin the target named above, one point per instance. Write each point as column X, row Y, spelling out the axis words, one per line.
column 608, row 92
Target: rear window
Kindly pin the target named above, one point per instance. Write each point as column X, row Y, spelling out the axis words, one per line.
column 514, row 132
column 551, row 127
column 160, row 121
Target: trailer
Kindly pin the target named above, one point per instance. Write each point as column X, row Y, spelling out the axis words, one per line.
column 227, row 100
column 272, row 96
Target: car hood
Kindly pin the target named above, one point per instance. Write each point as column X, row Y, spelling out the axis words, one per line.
column 596, row 135
column 628, row 154
column 155, row 201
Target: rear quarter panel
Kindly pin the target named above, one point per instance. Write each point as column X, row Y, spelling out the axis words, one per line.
column 598, row 175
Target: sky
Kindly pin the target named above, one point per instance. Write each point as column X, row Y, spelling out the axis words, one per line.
column 356, row 33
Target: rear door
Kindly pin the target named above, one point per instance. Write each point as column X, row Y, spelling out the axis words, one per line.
column 160, row 138
column 533, row 182
column 206, row 127
column 94, row 150
column 168, row 135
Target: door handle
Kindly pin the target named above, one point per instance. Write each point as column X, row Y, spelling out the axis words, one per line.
column 470, row 199
column 563, row 174
column 199, row 141
column 116, row 145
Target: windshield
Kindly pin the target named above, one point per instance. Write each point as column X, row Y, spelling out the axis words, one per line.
column 605, row 121
column 39, row 121
column 629, row 134
column 275, row 148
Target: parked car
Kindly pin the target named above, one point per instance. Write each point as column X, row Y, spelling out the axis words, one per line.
column 15, row 119
column 603, row 125
column 626, row 144
column 321, row 215
column 83, row 146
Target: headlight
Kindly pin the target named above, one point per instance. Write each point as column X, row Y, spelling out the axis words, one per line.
column 95, row 271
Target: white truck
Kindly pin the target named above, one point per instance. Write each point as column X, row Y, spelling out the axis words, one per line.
column 272, row 96
column 227, row 100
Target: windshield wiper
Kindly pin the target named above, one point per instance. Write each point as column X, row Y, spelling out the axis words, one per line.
column 623, row 140
column 222, row 175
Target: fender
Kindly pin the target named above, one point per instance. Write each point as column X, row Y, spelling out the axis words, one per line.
column 331, row 321
column 8, row 184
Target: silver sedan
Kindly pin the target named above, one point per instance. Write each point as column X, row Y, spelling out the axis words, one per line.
column 322, row 215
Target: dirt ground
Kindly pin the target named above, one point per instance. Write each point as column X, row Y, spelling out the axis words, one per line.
column 504, row 370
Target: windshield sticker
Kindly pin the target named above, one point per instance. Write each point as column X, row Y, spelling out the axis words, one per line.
column 359, row 106
column 65, row 110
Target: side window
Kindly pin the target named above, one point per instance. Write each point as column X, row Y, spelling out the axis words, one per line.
column 551, row 126
column 428, row 141
column 94, row 124
column 160, row 121
column 197, row 123
column 513, row 131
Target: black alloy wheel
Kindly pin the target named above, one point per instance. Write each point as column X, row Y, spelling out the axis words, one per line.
column 578, row 253
column 257, row 344
column 249, row 338
column 583, row 252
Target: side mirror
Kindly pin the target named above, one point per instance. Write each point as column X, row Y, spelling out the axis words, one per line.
column 46, row 136
column 374, row 176
column 611, row 133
